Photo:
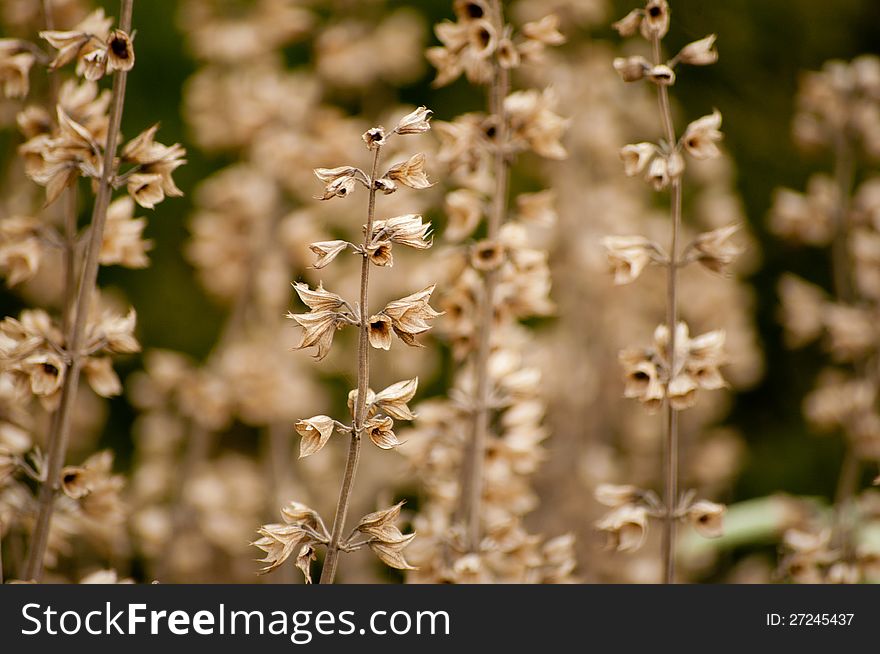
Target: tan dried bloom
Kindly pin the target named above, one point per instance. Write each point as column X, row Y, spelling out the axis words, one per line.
column 410, row 315
column 629, row 24
column 70, row 43
column 302, row 526
column 318, row 299
column 21, row 250
column 15, row 69
column 120, row 51
column 701, row 136
column 707, row 518
column 123, row 243
column 655, row 23
column 315, row 432
column 381, row 332
column 380, row 254
column 487, row 255
column 101, row 377
column 538, row 208
column 380, row 429
column 661, row 74
column 806, row 218
column 613, row 495
column 632, row 69
column 393, row 400
column 803, row 310
column 410, row 172
column 636, row 157
column 374, row 137
column 658, row 173
column 319, row 327
column 416, row 122
column 407, row 230
column 464, row 209
column 626, row 528
column 327, row 251
column 629, row 255
column 380, row 524
column 340, row 181
column 699, row 53
column 642, row 379
column 545, row 31
column 714, row 249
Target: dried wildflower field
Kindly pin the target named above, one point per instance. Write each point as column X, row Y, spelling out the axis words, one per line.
column 451, row 291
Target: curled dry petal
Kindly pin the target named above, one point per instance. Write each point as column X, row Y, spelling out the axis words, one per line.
column 626, row 527
column 327, row 251
column 410, row 172
column 315, row 433
column 393, row 400
column 415, row 122
column 636, row 156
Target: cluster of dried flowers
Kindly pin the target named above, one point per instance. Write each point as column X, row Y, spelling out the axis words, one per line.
column 475, row 451
column 71, row 132
column 838, row 110
column 670, row 372
column 372, row 414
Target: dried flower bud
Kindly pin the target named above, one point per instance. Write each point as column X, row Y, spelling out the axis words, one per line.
column 699, row 53
column 327, row 251
column 75, row 481
column 315, row 433
column 655, row 23
column 707, row 518
column 340, row 181
column 628, row 25
column 482, row 38
column 635, row 157
column 410, row 315
column 675, row 164
column 380, row 524
column 415, row 122
column 642, row 379
column 626, row 528
column 407, row 230
column 319, row 327
column 318, row 299
column 632, row 69
column 701, row 136
column 374, row 137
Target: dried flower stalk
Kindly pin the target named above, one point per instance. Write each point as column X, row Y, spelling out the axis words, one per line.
column 670, row 373
column 373, row 414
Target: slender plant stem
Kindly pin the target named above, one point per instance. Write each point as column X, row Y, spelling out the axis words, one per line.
column 328, row 572
column 60, row 435
column 471, row 495
column 670, row 459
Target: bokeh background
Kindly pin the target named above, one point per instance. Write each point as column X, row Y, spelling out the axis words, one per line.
column 764, row 46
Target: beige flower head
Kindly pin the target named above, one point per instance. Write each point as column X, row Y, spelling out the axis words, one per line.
column 707, row 518
column 625, row 527
column 701, row 137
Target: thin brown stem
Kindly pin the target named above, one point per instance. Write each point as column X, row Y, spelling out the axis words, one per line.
column 471, row 495
column 670, row 458
column 328, row 573
column 60, row 435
